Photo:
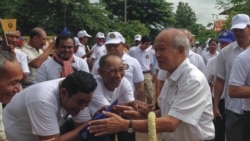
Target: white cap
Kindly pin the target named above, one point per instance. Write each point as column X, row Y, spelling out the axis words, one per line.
column 137, row 37
column 240, row 21
column 100, row 35
column 114, row 38
column 196, row 42
column 77, row 42
column 83, row 33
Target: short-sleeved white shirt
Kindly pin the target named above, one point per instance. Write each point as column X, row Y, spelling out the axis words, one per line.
column 224, row 65
column 32, row 53
column 98, row 51
column 211, row 72
column 102, row 96
column 207, row 55
column 50, row 69
column 81, row 51
column 145, row 58
column 22, row 59
column 133, row 73
column 197, row 50
column 37, row 111
column 186, row 96
column 240, row 75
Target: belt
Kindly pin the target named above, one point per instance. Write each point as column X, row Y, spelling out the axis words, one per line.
column 146, row 72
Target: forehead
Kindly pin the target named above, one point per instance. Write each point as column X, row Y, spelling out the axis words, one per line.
column 114, row 61
column 17, row 33
column 13, row 70
column 66, row 42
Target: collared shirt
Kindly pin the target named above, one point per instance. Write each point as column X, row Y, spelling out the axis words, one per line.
column 186, row 96
column 224, row 65
column 144, row 57
column 240, row 75
column 50, row 69
column 32, row 53
column 98, row 52
column 207, row 55
column 197, row 50
column 81, row 51
column 211, row 72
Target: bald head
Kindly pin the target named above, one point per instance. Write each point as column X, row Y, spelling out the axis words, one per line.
column 188, row 34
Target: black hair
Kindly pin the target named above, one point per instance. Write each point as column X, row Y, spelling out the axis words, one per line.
column 63, row 37
column 211, row 40
column 79, row 81
column 5, row 56
column 145, row 38
column 37, row 31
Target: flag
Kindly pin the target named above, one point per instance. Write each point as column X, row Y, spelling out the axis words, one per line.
column 8, row 25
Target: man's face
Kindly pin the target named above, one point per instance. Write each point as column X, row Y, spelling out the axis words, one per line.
column 65, row 48
column 74, row 104
column 212, row 47
column 84, row 40
column 112, row 73
column 10, row 81
column 115, row 49
column 40, row 41
column 145, row 45
column 224, row 44
column 241, row 35
column 13, row 39
column 166, row 55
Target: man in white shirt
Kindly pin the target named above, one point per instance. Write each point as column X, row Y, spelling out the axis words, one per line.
column 83, row 38
column 233, row 106
column 115, row 44
column 35, row 53
column 63, row 62
column 185, row 103
column 10, row 77
column 38, row 111
column 99, row 48
column 197, row 49
column 144, row 55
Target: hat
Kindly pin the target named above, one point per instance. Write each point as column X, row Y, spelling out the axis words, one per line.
column 65, row 31
column 114, row 38
column 100, row 35
column 226, row 36
column 196, row 42
column 240, row 21
column 138, row 37
column 77, row 42
column 83, row 33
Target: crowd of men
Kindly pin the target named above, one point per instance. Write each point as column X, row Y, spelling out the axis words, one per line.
column 51, row 93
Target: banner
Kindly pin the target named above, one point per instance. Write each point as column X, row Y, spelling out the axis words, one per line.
column 8, row 25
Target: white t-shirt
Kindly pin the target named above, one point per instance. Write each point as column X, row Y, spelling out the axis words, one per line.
column 22, row 59
column 187, row 97
column 224, row 65
column 50, row 69
column 37, row 111
column 102, row 96
column 32, row 53
column 81, row 51
column 145, row 58
column 207, row 55
column 133, row 73
column 98, row 52
column 197, row 50
column 240, row 75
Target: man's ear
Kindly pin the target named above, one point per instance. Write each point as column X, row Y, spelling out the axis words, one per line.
column 100, row 72
column 63, row 92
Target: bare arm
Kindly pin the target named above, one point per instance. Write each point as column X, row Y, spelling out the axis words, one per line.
column 139, row 91
column 218, row 89
column 239, row 91
column 36, row 63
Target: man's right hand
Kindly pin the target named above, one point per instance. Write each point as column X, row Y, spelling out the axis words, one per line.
column 217, row 113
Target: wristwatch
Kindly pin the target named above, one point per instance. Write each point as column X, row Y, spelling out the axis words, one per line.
column 130, row 125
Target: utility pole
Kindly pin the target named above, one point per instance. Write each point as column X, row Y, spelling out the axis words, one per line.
column 125, row 11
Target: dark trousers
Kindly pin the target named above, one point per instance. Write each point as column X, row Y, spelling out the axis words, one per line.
column 219, row 123
column 246, row 121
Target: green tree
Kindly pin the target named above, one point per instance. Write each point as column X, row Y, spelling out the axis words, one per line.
column 54, row 15
column 155, row 14
column 185, row 16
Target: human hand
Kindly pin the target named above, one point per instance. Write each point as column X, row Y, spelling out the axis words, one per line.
column 103, row 108
column 217, row 113
column 110, row 125
column 128, row 112
column 141, row 107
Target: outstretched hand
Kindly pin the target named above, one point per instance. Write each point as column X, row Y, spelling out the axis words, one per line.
column 110, row 125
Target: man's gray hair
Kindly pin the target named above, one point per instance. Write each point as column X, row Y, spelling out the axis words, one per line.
column 5, row 56
column 181, row 40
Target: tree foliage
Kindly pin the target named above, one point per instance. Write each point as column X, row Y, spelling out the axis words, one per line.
column 54, row 15
column 155, row 14
column 185, row 16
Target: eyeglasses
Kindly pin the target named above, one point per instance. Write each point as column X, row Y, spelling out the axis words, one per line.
column 116, row 70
